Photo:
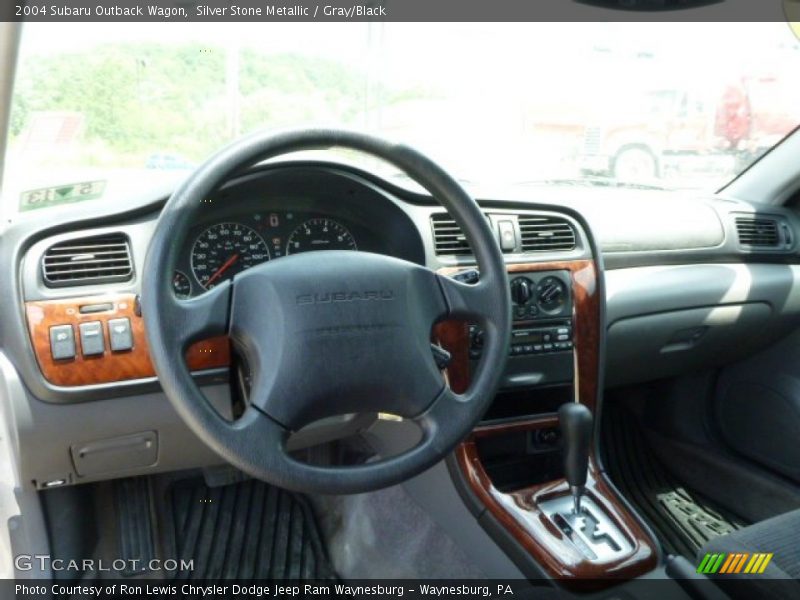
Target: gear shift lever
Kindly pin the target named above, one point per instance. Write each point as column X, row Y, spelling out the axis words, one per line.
column 576, row 429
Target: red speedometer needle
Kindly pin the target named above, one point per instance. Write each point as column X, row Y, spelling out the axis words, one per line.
column 218, row 273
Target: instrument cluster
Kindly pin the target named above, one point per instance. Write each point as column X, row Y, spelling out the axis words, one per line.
column 220, row 250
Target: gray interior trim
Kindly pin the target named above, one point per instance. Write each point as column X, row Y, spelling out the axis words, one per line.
column 735, row 308
column 20, row 509
column 9, row 43
column 28, row 533
column 765, row 431
column 648, row 290
column 42, row 434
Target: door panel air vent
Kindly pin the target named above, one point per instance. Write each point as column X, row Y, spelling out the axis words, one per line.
column 758, row 232
column 541, row 233
column 90, row 260
column 448, row 237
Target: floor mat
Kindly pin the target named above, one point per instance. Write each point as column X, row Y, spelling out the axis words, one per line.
column 247, row 530
column 681, row 518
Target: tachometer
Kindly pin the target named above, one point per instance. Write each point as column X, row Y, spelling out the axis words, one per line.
column 320, row 234
column 225, row 249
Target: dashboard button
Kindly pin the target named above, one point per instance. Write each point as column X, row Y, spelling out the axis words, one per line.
column 120, row 335
column 508, row 237
column 62, row 342
column 92, row 342
column 96, row 308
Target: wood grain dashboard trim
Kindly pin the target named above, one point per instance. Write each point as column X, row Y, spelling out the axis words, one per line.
column 585, row 330
column 109, row 367
column 518, row 511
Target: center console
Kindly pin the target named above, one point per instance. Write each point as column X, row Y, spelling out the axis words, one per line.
column 542, row 314
column 530, row 467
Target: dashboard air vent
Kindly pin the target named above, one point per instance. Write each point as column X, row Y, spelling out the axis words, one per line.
column 447, row 236
column 758, row 232
column 84, row 261
column 541, row 233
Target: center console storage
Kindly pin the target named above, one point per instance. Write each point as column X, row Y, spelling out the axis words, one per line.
column 523, row 404
column 522, row 458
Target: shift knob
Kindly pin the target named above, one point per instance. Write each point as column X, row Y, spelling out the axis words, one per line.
column 576, row 431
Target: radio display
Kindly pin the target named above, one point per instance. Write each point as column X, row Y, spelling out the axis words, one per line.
column 529, row 336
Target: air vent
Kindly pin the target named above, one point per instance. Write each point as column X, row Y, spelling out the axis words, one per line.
column 84, row 261
column 758, row 232
column 545, row 234
column 448, row 237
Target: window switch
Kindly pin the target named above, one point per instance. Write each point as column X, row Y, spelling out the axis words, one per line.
column 119, row 332
column 62, row 342
column 92, row 342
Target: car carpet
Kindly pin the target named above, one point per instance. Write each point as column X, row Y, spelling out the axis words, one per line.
column 241, row 530
column 244, row 530
column 681, row 518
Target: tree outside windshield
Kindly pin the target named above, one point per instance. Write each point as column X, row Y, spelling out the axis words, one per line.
column 674, row 105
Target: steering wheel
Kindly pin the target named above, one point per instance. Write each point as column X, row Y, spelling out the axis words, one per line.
column 327, row 333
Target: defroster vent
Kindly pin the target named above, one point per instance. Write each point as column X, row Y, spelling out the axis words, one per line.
column 89, row 260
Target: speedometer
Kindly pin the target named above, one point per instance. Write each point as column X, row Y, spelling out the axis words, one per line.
column 225, row 249
column 320, row 234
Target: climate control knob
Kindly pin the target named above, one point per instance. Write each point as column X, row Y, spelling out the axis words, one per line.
column 521, row 290
column 551, row 294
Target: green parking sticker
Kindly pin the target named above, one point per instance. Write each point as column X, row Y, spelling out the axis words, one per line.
column 61, row 194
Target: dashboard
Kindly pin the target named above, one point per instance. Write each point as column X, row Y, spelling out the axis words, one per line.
column 590, row 269
column 276, row 210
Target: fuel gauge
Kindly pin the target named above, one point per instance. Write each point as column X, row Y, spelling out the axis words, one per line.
column 181, row 285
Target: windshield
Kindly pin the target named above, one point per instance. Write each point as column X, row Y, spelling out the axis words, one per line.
column 676, row 105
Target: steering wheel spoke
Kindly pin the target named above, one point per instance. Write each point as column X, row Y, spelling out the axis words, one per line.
column 203, row 316
column 441, row 411
column 475, row 301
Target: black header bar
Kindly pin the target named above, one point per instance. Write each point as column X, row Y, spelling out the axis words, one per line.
column 399, row 10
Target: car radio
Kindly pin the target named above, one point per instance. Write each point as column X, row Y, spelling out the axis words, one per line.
column 542, row 315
